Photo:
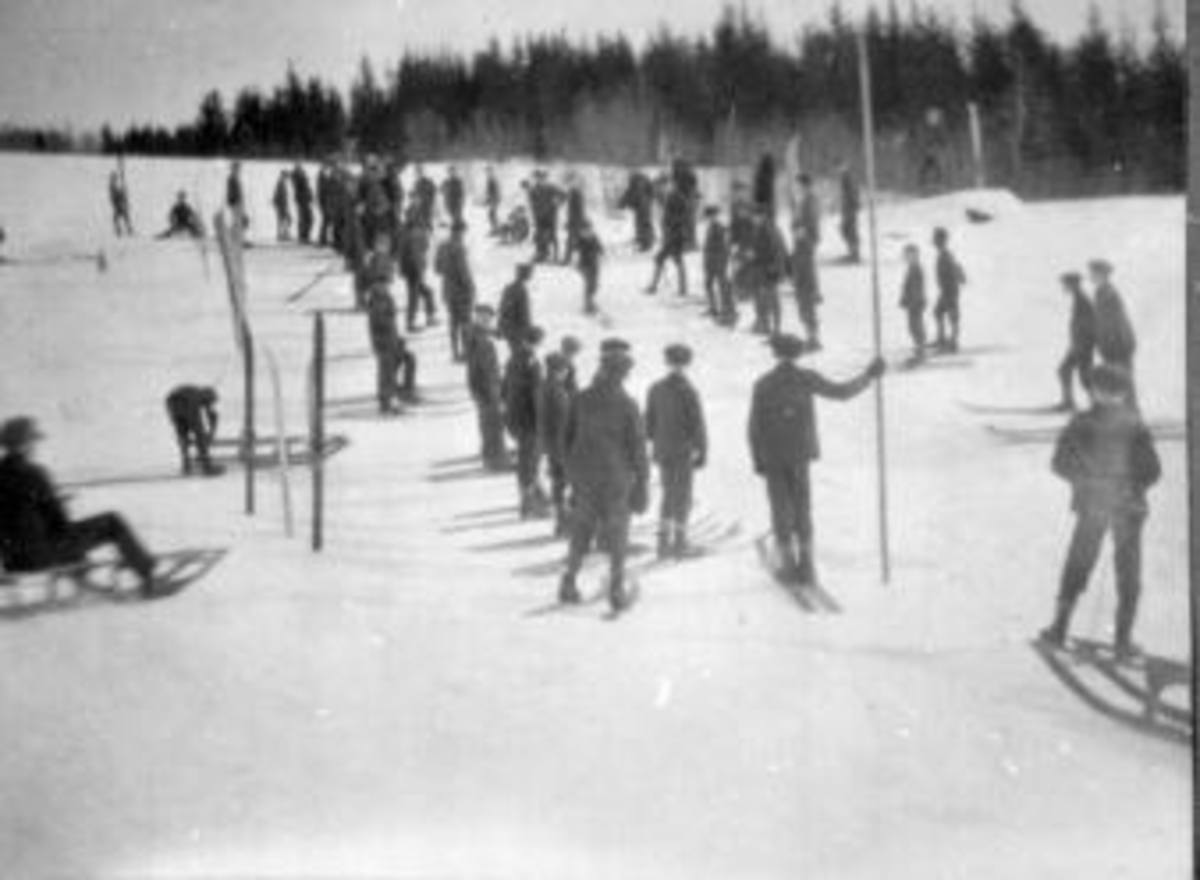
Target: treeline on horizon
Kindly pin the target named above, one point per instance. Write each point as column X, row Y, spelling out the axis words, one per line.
column 1100, row 115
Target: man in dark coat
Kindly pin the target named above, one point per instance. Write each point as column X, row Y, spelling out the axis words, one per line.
column 515, row 313
column 1115, row 340
column 458, row 286
column 391, row 352
column 808, row 215
column 913, row 300
column 193, row 414
column 522, row 391
column 1081, row 344
column 553, row 411
column 684, row 179
column 783, row 444
column 676, row 430
column 413, row 255
column 303, row 193
column 424, row 199
column 638, row 197
column 608, row 471
column 281, row 202
column 118, row 197
column 374, row 206
column 454, row 195
column 484, row 383
column 35, row 531
column 1107, row 455
column 764, row 184
column 950, row 280
column 377, row 267
column 716, row 269
column 235, row 196
column 851, row 205
column 674, row 240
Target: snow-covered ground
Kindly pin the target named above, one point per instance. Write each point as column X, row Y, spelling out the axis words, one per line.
column 391, row 708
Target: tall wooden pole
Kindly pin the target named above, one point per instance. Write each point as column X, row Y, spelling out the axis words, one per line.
column 317, row 431
column 868, row 122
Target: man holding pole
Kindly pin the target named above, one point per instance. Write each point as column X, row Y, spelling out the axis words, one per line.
column 783, row 444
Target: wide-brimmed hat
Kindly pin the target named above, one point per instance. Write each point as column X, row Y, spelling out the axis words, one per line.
column 18, row 431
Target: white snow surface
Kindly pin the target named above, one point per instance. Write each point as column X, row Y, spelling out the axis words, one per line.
column 388, row 709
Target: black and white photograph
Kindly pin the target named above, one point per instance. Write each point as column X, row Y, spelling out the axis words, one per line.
column 665, row 440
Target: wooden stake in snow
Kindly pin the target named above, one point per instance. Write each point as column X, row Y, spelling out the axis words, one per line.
column 281, row 442
column 316, row 428
column 868, row 116
column 235, row 276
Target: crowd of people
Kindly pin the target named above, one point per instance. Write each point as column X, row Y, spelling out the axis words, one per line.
column 595, row 444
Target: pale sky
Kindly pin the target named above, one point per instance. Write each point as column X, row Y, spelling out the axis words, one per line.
column 83, row 62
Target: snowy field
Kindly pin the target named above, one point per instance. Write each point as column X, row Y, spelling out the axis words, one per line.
column 390, row 708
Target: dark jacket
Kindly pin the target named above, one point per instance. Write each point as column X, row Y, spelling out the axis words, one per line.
column 483, row 366
column 850, row 197
column 576, row 210
column 606, row 441
column 522, row 390
column 453, row 195
column 810, row 217
column 554, row 411
column 32, row 517
column 590, row 251
column 514, row 317
column 912, row 293
column 1115, row 338
column 234, row 197
column 764, row 183
column 381, row 322
column 675, row 421
column 458, row 286
column 769, row 255
column 1107, row 455
column 675, row 218
column 783, row 418
column 302, row 188
column 716, row 248
column 950, row 276
column 1083, row 324
column 414, row 249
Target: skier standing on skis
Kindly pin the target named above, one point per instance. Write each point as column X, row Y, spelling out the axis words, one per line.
column 553, row 411
column 676, row 430
column 118, row 197
column 608, row 471
column 1081, row 346
column 1107, row 455
column 1115, row 339
column 805, row 284
column 950, row 280
column 784, row 443
column 515, row 315
column 674, row 239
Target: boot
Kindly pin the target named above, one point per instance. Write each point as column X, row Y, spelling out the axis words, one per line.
column 568, row 592
column 618, row 597
column 680, row 547
column 806, row 575
column 1055, row 635
column 787, row 570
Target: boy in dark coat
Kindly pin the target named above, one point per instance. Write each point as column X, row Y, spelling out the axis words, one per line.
column 851, row 204
column 453, row 195
column 1081, row 345
column 515, row 316
column 676, row 431
column 492, row 199
column 716, row 269
column 913, row 300
column 458, row 286
column 950, row 280
column 391, row 354
column 590, row 251
column 608, row 471
column 576, row 218
column 1107, row 455
column 553, row 411
column 484, row 383
column 767, row 266
column 639, row 198
column 783, row 444
column 281, row 202
column 522, row 393
column 193, row 414
column 35, row 531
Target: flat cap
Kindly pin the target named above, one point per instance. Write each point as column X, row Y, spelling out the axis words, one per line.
column 18, row 431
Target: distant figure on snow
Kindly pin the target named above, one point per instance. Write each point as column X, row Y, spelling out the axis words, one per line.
column 193, row 413
column 118, row 197
column 913, row 299
column 1116, row 341
column 182, row 220
column 851, row 204
column 281, row 202
column 950, row 280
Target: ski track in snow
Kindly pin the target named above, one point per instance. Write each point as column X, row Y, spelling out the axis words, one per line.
column 389, row 708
